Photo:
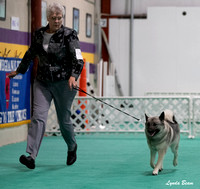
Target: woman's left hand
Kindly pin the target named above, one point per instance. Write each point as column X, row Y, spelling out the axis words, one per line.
column 72, row 82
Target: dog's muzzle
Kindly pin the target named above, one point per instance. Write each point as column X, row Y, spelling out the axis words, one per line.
column 153, row 132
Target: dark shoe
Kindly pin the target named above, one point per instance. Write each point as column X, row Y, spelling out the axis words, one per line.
column 28, row 161
column 71, row 158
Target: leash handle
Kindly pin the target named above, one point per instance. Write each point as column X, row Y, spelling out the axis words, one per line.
column 81, row 90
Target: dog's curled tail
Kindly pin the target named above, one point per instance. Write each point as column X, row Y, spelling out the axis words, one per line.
column 169, row 116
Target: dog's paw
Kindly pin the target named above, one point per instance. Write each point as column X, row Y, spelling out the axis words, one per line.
column 160, row 169
column 175, row 163
column 154, row 174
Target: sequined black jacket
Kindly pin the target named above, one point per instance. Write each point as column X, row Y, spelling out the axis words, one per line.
column 62, row 59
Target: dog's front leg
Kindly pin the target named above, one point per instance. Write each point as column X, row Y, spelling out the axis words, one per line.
column 161, row 154
column 152, row 159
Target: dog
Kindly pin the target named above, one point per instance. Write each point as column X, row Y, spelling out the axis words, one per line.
column 162, row 132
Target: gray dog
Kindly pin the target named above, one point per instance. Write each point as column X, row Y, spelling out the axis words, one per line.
column 162, row 132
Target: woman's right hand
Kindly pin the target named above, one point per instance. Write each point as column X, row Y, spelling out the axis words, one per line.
column 12, row 74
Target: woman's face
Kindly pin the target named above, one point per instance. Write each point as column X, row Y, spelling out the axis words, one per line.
column 55, row 21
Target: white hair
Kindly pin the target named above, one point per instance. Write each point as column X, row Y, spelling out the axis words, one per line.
column 169, row 115
column 55, row 7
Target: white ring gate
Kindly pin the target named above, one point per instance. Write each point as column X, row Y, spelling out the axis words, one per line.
column 89, row 115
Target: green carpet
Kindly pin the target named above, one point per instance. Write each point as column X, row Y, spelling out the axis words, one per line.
column 105, row 161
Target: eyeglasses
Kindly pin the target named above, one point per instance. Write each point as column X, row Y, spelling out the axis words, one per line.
column 56, row 18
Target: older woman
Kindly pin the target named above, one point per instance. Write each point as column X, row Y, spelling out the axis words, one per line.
column 60, row 64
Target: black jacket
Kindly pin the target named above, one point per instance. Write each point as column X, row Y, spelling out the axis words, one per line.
column 62, row 59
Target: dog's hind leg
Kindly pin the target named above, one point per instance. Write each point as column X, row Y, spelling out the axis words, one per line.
column 152, row 159
column 174, row 149
column 161, row 154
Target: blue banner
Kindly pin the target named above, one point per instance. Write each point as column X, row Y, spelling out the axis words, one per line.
column 14, row 93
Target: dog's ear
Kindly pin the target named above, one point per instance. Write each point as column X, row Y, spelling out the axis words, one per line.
column 146, row 117
column 162, row 116
column 174, row 119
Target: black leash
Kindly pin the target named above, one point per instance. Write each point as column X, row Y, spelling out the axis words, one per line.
column 79, row 89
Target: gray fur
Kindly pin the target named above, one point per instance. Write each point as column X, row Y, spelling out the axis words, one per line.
column 162, row 132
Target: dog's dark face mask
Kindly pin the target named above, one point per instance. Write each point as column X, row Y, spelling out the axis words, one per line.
column 153, row 125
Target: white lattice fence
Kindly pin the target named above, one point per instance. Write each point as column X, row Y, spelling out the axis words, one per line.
column 196, row 116
column 89, row 115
